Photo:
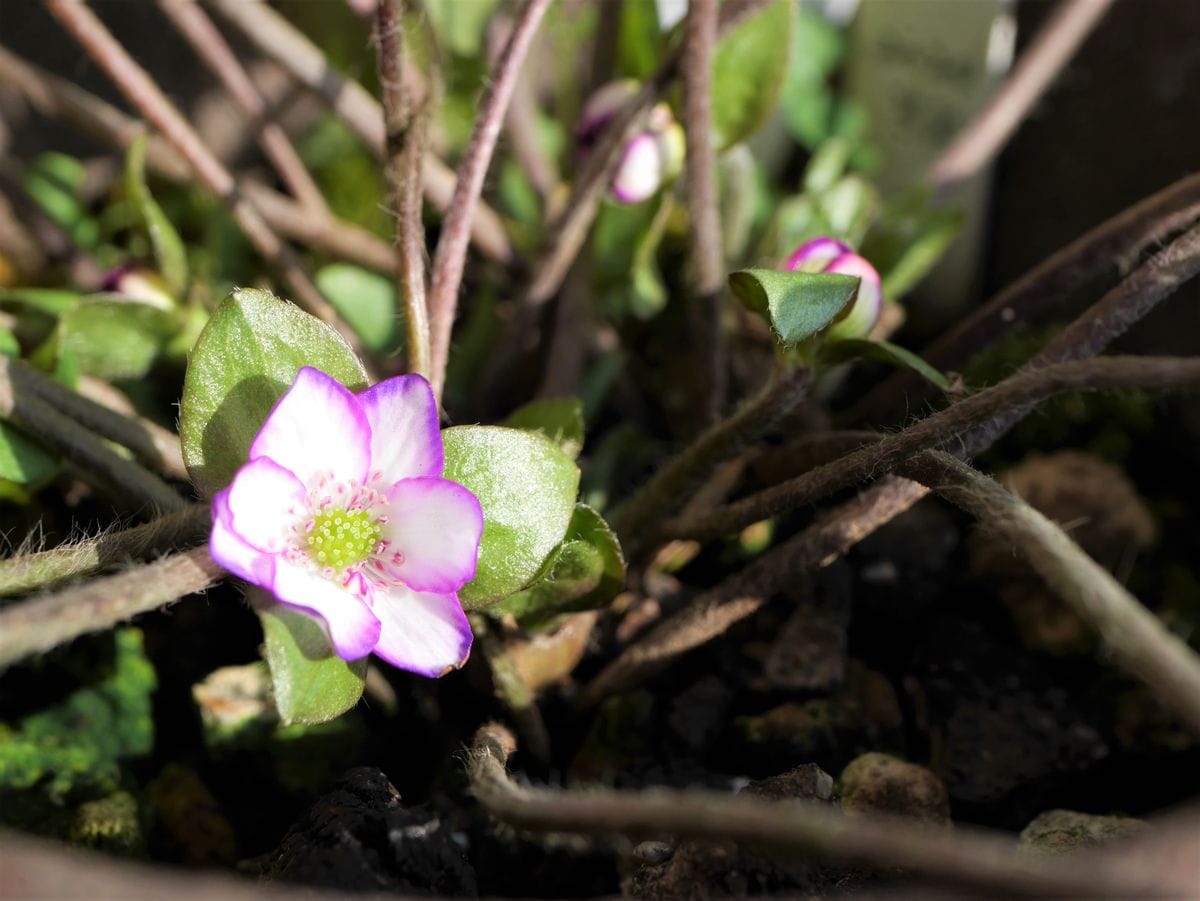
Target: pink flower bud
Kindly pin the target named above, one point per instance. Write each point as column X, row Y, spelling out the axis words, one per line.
column 830, row 255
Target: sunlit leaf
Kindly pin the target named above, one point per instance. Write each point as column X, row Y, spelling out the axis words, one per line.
column 797, row 304
column 748, row 71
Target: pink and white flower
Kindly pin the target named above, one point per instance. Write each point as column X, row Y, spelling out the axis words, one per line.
column 651, row 158
column 831, row 255
column 341, row 512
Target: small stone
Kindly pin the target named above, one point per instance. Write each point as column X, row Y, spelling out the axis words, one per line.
column 1063, row 831
column 881, row 783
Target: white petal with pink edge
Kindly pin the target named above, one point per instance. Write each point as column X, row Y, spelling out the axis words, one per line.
column 317, row 427
column 353, row 629
column 264, row 500
column 406, row 442
column 231, row 552
column 423, row 632
column 433, row 530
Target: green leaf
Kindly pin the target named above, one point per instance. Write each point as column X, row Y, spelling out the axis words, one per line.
column 558, row 418
column 244, row 360
column 886, row 352
column 169, row 252
column 849, row 207
column 460, row 25
column 748, row 70
column 827, row 165
column 797, row 304
column 526, row 486
column 639, row 39
column 807, row 104
column 115, row 339
column 55, row 181
column 52, row 301
column 81, row 740
column 311, row 683
column 366, row 300
column 9, row 345
column 936, row 234
column 585, row 572
column 23, row 460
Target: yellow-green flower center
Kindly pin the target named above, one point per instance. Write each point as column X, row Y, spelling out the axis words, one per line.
column 341, row 538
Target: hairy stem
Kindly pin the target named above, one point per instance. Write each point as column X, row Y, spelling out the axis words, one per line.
column 124, row 480
column 29, row 571
column 279, row 40
column 141, row 91
column 1019, row 394
column 984, row 136
column 668, row 489
column 511, row 689
column 206, row 41
column 1136, row 639
column 41, row 623
column 451, row 254
column 964, row 857
column 405, row 149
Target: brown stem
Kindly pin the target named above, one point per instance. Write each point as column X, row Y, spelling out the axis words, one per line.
column 451, row 255
column 37, row 625
column 964, row 857
column 279, row 40
column 984, row 136
column 22, row 574
column 706, row 245
column 1136, row 639
column 124, row 480
column 1016, row 395
column 141, row 91
column 206, row 41
column 405, row 151
column 511, row 689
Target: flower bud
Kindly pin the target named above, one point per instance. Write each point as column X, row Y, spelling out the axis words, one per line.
column 831, row 255
column 135, row 282
column 650, row 159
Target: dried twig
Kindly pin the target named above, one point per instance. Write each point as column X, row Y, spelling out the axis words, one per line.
column 451, row 252
column 42, row 623
column 1134, row 637
column 1039, row 65
column 1016, row 395
column 140, row 89
column 405, row 150
column 29, row 571
column 193, row 23
column 964, row 857
column 278, row 39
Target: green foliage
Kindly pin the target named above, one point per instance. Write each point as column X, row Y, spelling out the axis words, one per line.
column 114, row 339
column 909, row 241
column 311, row 683
column 23, row 460
column 585, row 572
column 460, row 25
column 367, row 301
column 55, row 181
column 749, row 66
column 169, row 253
column 558, row 418
column 245, row 359
column 80, row 741
column 639, row 39
column 885, row 352
column 796, row 304
column 526, row 486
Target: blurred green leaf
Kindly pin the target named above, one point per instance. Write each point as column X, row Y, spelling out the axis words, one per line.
column 55, row 182
column 23, row 460
column 52, row 301
column 797, row 304
column 169, row 252
column 885, row 352
column 115, row 339
column 827, row 165
column 558, row 418
column 639, row 39
column 749, row 66
column 807, row 102
column 81, row 740
column 527, row 487
column 850, row 206
column 460, row 24
column 245, row 359
column 367, row 301
column 311, row 683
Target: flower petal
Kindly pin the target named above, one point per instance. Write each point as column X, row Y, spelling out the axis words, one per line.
column 353, row 628
column 641, row 171
column 815, row 255
column 423, row 632
column 317, row 427
column 228, row 550
column 434, row 527
column 406, row 442
column 867, row 306
column 263, row 502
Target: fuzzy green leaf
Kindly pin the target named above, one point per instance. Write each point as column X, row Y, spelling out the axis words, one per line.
column 885, row 352
column 169, row 252
column 749, row 67
column 115, row 339
column 558, row 418
column 366, row 300
column 244, row 360
column 526, row 486
column 311, row 683
column 797, row 304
